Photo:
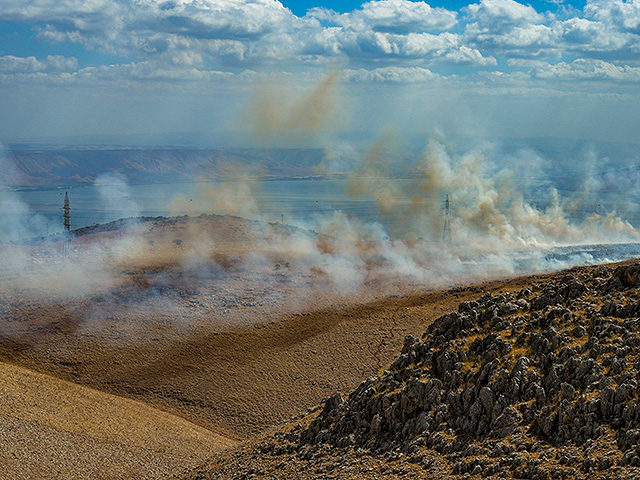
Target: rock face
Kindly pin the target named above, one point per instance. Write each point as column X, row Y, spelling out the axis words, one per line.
column 539, row 384
column 553, row 366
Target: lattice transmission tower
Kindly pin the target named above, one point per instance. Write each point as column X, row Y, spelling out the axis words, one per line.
column 66, row 212
column 446, row 231
column 66, row 215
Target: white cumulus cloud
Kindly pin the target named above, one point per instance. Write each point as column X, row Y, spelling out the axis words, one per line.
column 393, row 16
column 500, row 15
column 186, row 40
column 390, row 75
column 589, row 69
column 52, row 63
column 623, row 15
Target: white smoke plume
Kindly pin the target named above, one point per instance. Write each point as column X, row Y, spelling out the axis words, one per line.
column 16, row 220
column 116, row 196
column 186, row 274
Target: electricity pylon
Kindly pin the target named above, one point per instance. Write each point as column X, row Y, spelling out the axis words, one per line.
column 66, row 215
column 446, row 231
column 66, row 245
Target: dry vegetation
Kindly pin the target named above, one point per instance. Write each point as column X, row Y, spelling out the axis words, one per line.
column 232, row 352
column 55, row 429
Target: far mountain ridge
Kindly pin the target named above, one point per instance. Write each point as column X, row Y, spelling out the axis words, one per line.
column 73, row 166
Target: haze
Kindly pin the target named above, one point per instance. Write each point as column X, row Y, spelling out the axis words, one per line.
column 125, row 71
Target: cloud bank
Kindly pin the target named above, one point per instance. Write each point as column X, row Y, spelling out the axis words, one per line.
column 230, row 34
column 503, row 67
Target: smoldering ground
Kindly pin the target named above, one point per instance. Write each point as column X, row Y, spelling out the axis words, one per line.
column 230, row 263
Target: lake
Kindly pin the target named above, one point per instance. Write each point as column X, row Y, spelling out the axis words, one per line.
column 28, row 213
column 34, row 213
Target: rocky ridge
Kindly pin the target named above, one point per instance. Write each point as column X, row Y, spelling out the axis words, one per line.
column 540, row 384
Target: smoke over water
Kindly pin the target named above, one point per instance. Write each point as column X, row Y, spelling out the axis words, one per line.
column 231, row 263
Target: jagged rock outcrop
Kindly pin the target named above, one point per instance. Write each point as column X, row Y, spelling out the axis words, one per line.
column 547, row 365
column 538, row 384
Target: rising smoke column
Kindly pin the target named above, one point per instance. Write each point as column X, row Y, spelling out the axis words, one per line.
column 16, row 219
column 493, row 218
column 281, row 114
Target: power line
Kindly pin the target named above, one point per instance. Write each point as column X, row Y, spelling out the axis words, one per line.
column 66, row 246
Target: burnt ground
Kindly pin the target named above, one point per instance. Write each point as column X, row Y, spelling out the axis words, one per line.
column 225, row 348
column 235, row 350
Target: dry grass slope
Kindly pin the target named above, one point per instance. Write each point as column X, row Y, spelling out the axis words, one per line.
column 225, row 350
column 50, row 428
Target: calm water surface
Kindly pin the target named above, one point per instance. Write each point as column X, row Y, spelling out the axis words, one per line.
column 39, row 212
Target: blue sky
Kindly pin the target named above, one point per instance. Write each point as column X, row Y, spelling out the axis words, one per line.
column 486, row 68
column 300, row 7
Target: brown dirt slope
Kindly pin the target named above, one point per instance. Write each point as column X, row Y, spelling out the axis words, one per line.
column 50, row 428
column 212, row 349
column 237, row 381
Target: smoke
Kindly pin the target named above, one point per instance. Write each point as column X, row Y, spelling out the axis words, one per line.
column 234, row 196
column 281, row 114
column 493, row 206
column 116, row 196
column 16, row 220
column 229, row 264
column 12, row 215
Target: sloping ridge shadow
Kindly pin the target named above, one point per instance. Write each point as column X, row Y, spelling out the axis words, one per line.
column 51, row 428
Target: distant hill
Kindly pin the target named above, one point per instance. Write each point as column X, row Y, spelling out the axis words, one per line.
column 58, row 166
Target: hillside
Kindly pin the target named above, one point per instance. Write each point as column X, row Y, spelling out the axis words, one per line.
column 235, row 347
column 225, row 345
column 55, row 429
column 539, row 384
column 58, row 166
column 222, row 322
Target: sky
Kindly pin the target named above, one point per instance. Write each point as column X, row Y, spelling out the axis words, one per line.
column 313, row 68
